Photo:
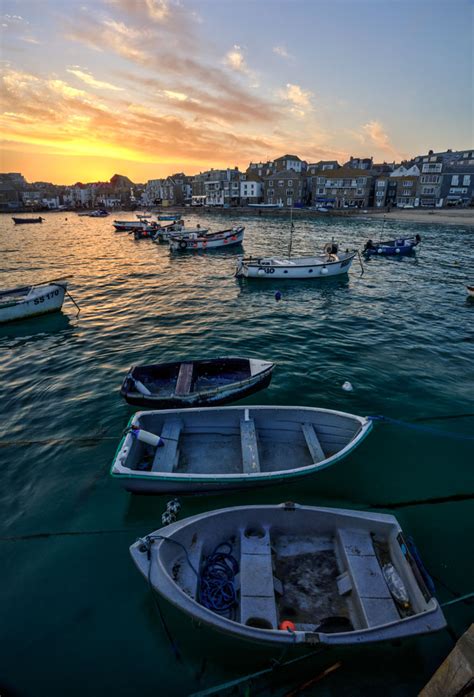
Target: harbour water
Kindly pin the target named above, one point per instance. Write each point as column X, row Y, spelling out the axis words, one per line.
column 77, row 618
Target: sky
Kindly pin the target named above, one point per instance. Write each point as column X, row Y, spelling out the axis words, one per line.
column 146, row 88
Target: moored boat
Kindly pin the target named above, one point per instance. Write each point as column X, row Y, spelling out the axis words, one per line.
column 162, row 216
column 292, row 575
column 30, row 301
column 195, row 383
column 398, row 247
column 101, row 213
column 190, row 241
column 330, row 263
column 26, row 221
column 225, row 448
column 127, row 225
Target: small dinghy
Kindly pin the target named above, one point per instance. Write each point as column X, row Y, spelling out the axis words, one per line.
column 26, row 221
column 169, row 217
column 400, row 247
column 224, row 448
column 182, row 242
column 30, row 301
column 330, row 263
column 289, row 574
column 127, row 225
column 195, row 383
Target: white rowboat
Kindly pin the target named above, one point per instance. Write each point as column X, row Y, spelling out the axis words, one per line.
column 210, row 240
column 319, row 266
column 30, row 301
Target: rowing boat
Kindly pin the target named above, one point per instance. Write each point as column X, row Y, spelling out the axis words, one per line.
column 30, row 301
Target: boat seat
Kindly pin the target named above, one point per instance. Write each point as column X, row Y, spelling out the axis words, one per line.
column 257, row 584
column 186, row 578
column 312, row 441
column 167, row 455
column 365, row 581
column 248, row 439
column 185, row 379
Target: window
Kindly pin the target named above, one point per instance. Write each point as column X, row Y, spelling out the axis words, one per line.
column 406, row 185
column 289, row 192
column 320, row 190
column 380, row 194
column 290, row 183
column 466, row 180
column 289, row 201
column 429, row 179
column 437, row 167
column 454, row 180
column 281, row 183
column 427, row 189
column 381, row 184
column 360, row 192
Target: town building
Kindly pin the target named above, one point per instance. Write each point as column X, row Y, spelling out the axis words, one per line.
column 344, row 188
column 251, row 189
column 290, row 162
column 286, row 188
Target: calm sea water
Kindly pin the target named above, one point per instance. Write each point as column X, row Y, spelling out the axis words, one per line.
column 77, row 618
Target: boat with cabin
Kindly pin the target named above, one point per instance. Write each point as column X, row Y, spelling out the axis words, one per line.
column 195, row 383
column 226, row 448
column 290, row 575
column 30, row 301
column 329, row 263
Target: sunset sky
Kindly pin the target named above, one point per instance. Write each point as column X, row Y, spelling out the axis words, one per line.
column 150, row 87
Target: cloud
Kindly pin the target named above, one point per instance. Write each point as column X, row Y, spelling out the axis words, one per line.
column 298, row 98
column 235, row 59
column 373, row 133
column 281, row 51
column 90, row 80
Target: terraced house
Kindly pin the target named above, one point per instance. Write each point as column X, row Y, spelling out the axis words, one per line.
column 344, row 187
column 285, row 188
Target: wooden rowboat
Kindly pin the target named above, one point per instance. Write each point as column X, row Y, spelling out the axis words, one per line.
column 25, row 221
column 30, row 301
column 292, row 575
column 195, row 383
column 225, row 448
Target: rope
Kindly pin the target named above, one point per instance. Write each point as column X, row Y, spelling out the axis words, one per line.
column 217, row 581
column 458, row 600
column 68, row 295
column 423, row 429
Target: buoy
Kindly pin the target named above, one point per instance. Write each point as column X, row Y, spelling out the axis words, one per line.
column 287, row 624
column 277, row 296
column 347, row 387
column 146, row 437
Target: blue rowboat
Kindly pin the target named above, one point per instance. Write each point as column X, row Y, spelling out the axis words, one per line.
column 399, row 247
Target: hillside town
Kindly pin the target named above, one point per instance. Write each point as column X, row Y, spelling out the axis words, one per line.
column 432, row 180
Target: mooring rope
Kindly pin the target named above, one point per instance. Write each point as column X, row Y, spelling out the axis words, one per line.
column 424, row 429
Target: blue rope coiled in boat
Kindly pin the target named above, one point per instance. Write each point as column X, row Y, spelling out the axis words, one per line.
column 217, row 589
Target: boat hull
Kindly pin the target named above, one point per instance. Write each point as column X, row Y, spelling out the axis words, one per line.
column 183, row 244
column 281, row 555
column 210, row 452
column 47, row 299
column 27, row 221
column 263, row 270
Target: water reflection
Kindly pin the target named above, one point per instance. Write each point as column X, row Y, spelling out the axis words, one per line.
column 36, row 328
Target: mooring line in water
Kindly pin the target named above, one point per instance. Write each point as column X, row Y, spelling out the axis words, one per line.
column 462, row 599
column 92, row 440
column 425, row 429
column 424, row 502
column 66, row 533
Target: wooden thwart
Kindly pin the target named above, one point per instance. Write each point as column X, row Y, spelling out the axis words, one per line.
column 312, row 441
column 185, row 379
column 166, row 456
column 248, row 439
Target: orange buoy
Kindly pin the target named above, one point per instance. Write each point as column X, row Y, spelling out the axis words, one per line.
column 287, row 624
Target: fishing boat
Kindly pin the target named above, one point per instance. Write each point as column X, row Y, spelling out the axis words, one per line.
column 27, row 221
column 195, row 383
column 164, row 232
column 225, row 448
column 291, row 575
column 127, row 225
column 30, row 301
column 330, row 263
column 182, row 242
column 101, row 213
column 398, row 247
column 168, row 217
column 470, row 290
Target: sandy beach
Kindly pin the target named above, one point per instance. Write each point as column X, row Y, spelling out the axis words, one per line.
column 444, row 216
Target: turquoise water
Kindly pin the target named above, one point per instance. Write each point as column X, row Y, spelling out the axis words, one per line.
column 76, row 616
